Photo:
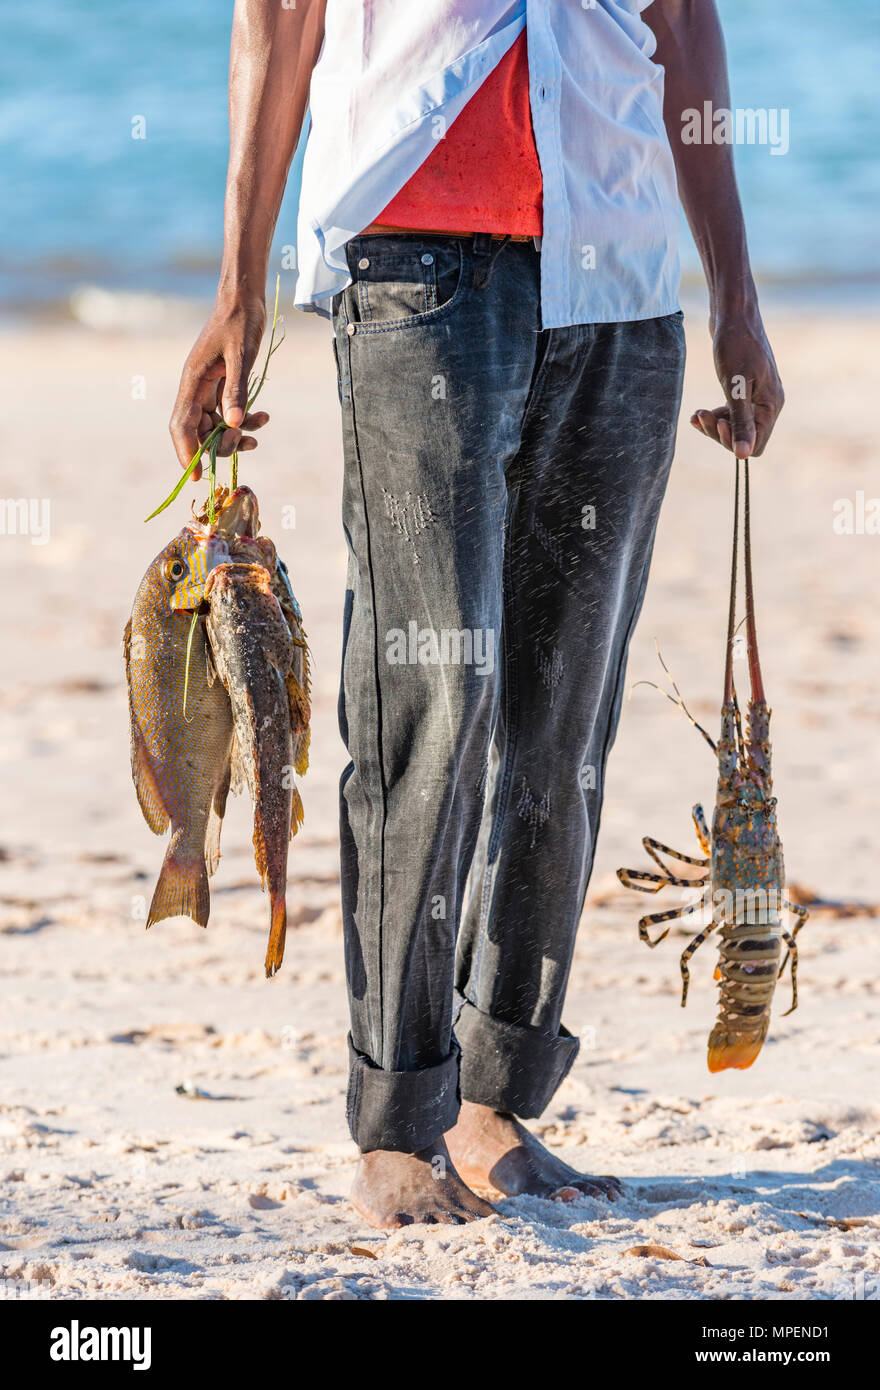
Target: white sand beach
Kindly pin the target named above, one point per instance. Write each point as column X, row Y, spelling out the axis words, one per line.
column 172, row 1124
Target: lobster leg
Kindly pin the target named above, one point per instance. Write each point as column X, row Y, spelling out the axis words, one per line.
column 702, row 829
column 652, row 883
column 654, row 848
column 790, row 942
column 803, row 914
column 654, row 918
column 686, row 955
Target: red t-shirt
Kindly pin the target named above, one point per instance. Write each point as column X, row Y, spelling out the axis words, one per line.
column 484, row 176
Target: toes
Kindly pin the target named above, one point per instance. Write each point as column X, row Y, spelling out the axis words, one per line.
column 566, row 1194
column 445, row 1216
column 604, row 1187
column 597, row 1188
column 609, row 1187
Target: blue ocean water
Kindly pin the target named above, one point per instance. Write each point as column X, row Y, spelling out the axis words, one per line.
column 84, row 202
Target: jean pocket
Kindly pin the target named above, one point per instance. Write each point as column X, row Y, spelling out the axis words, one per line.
column 402, row 279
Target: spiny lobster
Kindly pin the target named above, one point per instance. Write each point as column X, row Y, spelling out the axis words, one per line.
column 743, row 877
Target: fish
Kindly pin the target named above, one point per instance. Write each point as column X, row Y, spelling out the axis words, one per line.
column 180, row 758
column 237, row 521
column 236, row 514
column 260, row 550
column 253, row 649
column 298, row 678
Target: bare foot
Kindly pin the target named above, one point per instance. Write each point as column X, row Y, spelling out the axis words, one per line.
column 491, row 1149
column 394, row 1189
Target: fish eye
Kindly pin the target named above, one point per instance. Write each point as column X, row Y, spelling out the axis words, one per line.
column 175, row 570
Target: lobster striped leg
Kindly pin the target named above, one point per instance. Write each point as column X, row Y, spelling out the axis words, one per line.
column 803, row 914
column 788, row 938
column 654, row 918
column 652, row 883
column 702, row 829
column 655, row 848
column 689, row 950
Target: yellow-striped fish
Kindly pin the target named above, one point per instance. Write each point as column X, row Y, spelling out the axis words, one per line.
column 180, row 761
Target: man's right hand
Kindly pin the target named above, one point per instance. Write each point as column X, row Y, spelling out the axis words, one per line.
column 214, row 381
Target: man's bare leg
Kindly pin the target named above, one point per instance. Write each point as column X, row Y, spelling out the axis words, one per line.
column 397, row 1189
column 491, row 1149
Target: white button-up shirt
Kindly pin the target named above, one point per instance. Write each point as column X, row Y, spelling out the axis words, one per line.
column 393, row 75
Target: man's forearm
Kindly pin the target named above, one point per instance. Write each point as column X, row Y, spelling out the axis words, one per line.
column 273, row 51
column 274, row 47
column 690, row 46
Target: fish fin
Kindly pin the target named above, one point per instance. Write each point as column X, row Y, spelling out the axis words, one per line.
column 301, row 752
column 126, row 645
column 297, row 814
column 300, row 714
column 236, row 768
column 245, row 765
column 148, row 794
column 277, row 934
column 212, row 841
column 182, row 890
column 300, row 665
column 215, row 824
column 261, row 859
column 210, row 665
column 222, row 792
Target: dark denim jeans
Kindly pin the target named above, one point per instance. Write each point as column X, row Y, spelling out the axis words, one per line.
column 502, row 488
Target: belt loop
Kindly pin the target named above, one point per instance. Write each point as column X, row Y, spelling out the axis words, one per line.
column 485, row 257
column 482, row 249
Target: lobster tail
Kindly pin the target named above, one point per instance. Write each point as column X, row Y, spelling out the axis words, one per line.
column 739, row 1055
column 748, row 969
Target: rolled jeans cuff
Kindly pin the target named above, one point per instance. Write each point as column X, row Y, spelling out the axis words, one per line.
column 508, row 1067
column 401, row 1110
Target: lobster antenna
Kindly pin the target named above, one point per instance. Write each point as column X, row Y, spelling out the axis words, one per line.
column 751, row 633
column 740, row 740
column 679, row 702
column 731, row 618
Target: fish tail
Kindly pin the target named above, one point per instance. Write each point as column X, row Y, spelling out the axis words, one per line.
column 277, row 934
column 182, row 890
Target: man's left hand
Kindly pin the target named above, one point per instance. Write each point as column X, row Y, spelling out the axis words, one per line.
column 754, row 396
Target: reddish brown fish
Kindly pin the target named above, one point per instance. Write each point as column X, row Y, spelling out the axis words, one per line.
column 180, row 760
column 253, row 649
column 237, row 521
